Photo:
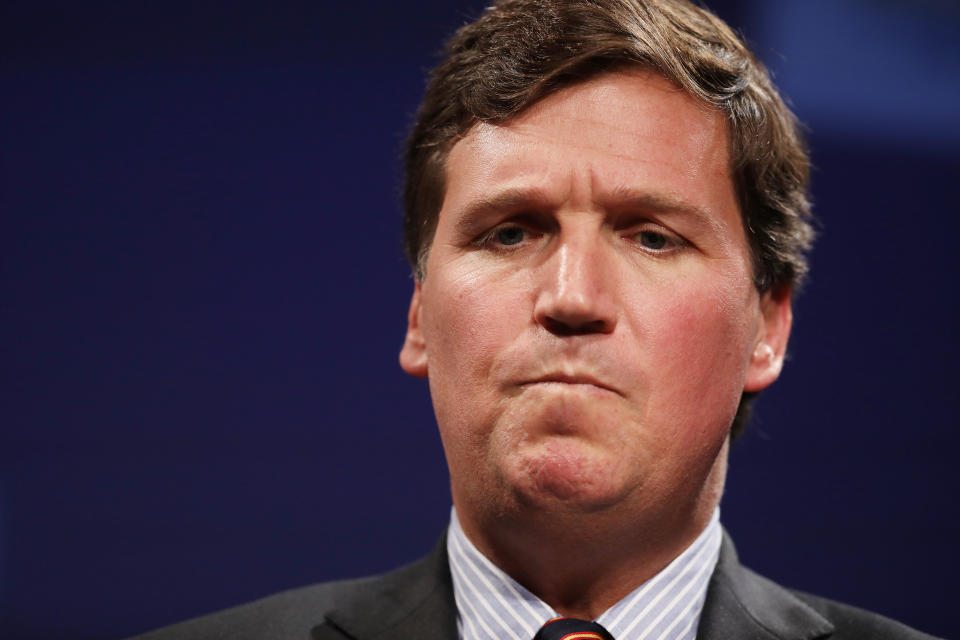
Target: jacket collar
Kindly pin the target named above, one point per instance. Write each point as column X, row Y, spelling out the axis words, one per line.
column 413, row 602
column 417, row 602
column 742, row 604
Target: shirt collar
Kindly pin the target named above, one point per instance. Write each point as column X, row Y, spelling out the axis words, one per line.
column 493, row 606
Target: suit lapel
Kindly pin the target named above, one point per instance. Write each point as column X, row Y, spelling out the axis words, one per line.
column 413, row 602
column 741, row 604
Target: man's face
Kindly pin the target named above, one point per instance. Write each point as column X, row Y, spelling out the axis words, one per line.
column 587, row 320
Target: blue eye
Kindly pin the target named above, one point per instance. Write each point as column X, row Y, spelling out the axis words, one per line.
column 653, row 240
column 510, row 235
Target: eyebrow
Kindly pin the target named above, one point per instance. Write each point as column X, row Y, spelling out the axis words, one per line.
column 627, row 199
column 510, row 199
column 620, row 199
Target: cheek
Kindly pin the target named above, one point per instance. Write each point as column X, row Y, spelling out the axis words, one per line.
column 704, row 330
column 467, row 321
column 700, row 337
column 463, row 317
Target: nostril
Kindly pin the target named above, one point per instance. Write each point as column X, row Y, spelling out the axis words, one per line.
column 560, row 328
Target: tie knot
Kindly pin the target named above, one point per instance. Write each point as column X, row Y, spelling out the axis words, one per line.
column 572, row 629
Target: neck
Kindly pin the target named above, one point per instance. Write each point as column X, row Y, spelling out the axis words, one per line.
column 583, row 564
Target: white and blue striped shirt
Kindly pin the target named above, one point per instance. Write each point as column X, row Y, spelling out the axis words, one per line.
column 493, row 606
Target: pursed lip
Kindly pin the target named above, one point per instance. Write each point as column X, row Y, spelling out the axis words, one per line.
column 571, row 379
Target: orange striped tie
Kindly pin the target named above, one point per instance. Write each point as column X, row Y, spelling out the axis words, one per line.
column 572, row 629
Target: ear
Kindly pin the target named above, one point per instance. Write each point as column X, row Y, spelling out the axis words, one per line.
column 413, row 354
column 770, row 347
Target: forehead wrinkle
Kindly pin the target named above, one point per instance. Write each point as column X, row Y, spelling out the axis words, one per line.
column 520, row 129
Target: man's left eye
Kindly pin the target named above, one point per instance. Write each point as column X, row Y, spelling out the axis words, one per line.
column 653, row 240
column 510, row 235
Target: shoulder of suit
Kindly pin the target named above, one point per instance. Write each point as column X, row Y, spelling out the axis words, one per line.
column 276, row 616
column 744, row 604
column 294, row 613
column 853, row 622
column 287, row 614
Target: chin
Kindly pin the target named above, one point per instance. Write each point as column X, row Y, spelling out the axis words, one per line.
column 566, row 474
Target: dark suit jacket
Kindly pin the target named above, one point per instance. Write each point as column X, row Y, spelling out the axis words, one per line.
column 416, row 603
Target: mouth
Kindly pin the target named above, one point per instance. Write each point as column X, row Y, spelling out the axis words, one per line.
column 573, row 380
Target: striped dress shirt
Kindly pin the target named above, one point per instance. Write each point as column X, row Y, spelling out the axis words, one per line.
column 493, row 606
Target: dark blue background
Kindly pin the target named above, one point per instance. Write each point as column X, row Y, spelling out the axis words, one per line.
column 203, row 297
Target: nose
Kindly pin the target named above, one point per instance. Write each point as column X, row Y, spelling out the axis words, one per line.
column 575, row 290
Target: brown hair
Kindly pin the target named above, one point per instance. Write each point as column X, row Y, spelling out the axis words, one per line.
column 519, row 51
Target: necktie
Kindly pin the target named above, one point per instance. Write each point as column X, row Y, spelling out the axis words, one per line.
column 572, row 629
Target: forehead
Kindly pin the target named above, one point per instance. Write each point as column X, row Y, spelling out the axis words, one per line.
column 628, row 131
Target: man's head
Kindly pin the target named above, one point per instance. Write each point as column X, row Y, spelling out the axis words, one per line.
column 520, row 51
column 605, row 213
